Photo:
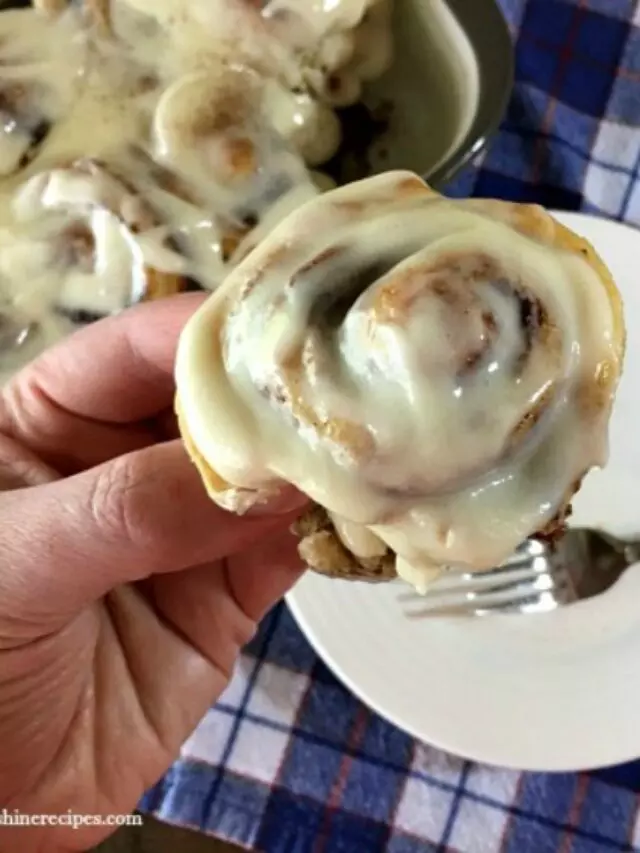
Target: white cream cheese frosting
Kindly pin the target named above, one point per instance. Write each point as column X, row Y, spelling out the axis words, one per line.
column 437, row 374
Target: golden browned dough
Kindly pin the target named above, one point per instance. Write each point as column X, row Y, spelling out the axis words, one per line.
column 160, row 285
column 321, row 550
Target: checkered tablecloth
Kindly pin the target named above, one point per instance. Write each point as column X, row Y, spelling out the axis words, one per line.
column 289, row 761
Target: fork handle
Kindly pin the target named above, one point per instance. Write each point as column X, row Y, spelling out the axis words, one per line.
column 631, row 552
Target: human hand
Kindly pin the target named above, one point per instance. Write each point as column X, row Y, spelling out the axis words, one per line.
column 125, row 594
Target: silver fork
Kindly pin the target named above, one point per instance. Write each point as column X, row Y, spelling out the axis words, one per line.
column 538, row 577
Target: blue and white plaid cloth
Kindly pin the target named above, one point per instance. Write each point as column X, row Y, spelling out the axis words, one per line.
column 289, row 761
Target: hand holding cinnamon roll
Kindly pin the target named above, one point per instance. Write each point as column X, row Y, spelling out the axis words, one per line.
column 437, row 376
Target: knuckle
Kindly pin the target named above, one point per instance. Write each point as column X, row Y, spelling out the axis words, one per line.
column 19, row 468
column 16, row 404
column 32, row 418
column 118, row 505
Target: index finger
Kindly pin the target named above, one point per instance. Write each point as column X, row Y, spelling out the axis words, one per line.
column 118, row 370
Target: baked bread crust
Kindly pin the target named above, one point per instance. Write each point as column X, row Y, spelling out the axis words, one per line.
column 322, row 550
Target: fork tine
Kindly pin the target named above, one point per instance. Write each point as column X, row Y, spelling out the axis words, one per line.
column 538, row 602
column 527, row 551
column 504, row 590
column 510, row 590
column 514, row 562
column 480, row 582
column 505, row 601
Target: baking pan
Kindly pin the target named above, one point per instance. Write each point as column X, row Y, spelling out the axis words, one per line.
column 448, row 88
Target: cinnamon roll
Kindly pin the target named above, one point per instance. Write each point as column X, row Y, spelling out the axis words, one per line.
column 437, row 376
column 340, row 46
column 38, row 82
column 82, row 245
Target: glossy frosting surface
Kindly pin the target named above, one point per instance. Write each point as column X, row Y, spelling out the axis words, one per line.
column 437, row 374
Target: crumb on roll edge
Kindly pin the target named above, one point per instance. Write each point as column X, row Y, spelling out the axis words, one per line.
column 322, row 550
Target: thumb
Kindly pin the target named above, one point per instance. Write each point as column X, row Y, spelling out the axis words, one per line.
column 67, row 543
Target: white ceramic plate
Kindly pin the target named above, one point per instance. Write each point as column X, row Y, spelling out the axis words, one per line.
column 556, row 691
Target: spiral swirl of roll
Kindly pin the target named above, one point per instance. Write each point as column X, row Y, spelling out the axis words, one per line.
column 438, row 372
column 102, row 246
column 83, row 245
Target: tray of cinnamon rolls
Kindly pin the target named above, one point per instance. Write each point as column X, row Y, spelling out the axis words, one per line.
column 147, row 147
